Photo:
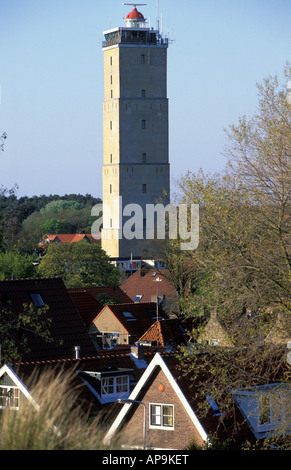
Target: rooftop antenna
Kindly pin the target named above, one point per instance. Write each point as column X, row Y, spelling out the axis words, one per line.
column 135, row 4
column 158, row 15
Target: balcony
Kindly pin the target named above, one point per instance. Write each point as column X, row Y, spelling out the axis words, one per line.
column 136, row 37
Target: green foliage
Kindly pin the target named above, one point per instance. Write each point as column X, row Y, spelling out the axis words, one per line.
column 104, row 299
column 61, row 205
column 14, row 265
column 13, row 329
column 25, row 220
column 79, row 264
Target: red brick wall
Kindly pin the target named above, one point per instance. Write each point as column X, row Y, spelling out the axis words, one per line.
column 184, row 430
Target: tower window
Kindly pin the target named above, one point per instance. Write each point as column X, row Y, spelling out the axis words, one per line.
column 142, row 58
column 143, row 124
column 144, row 188
column 110, row 60
column 110, row 188
column 111, row 125
column 144, row 158
column 111, row 158
column 143, row 93
column 111, row 93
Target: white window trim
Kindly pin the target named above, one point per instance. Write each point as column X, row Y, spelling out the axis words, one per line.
column 10, row 399
column 161, row 426
column 115, row 393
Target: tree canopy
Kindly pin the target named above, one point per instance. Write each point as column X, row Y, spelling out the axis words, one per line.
column 78, row 264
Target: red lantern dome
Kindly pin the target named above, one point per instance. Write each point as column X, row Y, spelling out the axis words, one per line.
column 134, row 15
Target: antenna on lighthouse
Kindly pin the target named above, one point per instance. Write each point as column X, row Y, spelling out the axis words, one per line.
column 135, row 4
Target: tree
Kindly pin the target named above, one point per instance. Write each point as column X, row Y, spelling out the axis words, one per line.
column 79, row 264
column 245, row 242
column 16, row 265
column 2, row 138
column 245, row 249
column 15, row 326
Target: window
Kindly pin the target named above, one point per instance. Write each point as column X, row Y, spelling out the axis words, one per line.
column 9, row 397
column 111, row 158
column 142, row 59
column 270, row 409
column 143, row 124
column 129, row 316
column 108, row 386
column 144, row 188
column 144, row 158
column 137, row 298
column 37, row 299
column 265, row 408
column 143, row 93
column 110, row 188
column 110, row 124
column 110, row 60
column 115, row 385
column 111, row 94
column 161, row 416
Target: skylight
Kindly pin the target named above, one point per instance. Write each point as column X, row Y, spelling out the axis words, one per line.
column 37, row 299
column 129, row 316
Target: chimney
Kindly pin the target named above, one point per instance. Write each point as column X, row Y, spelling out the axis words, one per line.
column 137, row 351
column 77, row 352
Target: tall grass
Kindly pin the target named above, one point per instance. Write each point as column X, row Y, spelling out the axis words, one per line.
column 55, row 421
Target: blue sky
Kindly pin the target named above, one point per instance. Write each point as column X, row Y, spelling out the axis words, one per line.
column 51, row 78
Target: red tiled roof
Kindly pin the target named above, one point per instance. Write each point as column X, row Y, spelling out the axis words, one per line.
column 70, row 238
column 67, row 327
column 165, row 331
column 148, row 285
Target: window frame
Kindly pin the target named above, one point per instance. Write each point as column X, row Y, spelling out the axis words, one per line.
column 12, row 395
column 111, row 384
column 162, row 416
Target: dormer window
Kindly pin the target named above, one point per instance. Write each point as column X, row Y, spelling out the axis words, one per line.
column 108, row 385
column 115, row 385
column 265, row 408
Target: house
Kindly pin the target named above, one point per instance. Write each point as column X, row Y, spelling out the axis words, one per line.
column 47, row 239
column 123, row 323
column 99, row 380
column 67, row 328
column 166, row 332
column 214, row 333
column 162, row 414
column 146, row 285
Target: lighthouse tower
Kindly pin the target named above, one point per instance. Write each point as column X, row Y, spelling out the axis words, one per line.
column 135, row 132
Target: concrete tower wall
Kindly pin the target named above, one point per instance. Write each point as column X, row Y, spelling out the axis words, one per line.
column 135, row 135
